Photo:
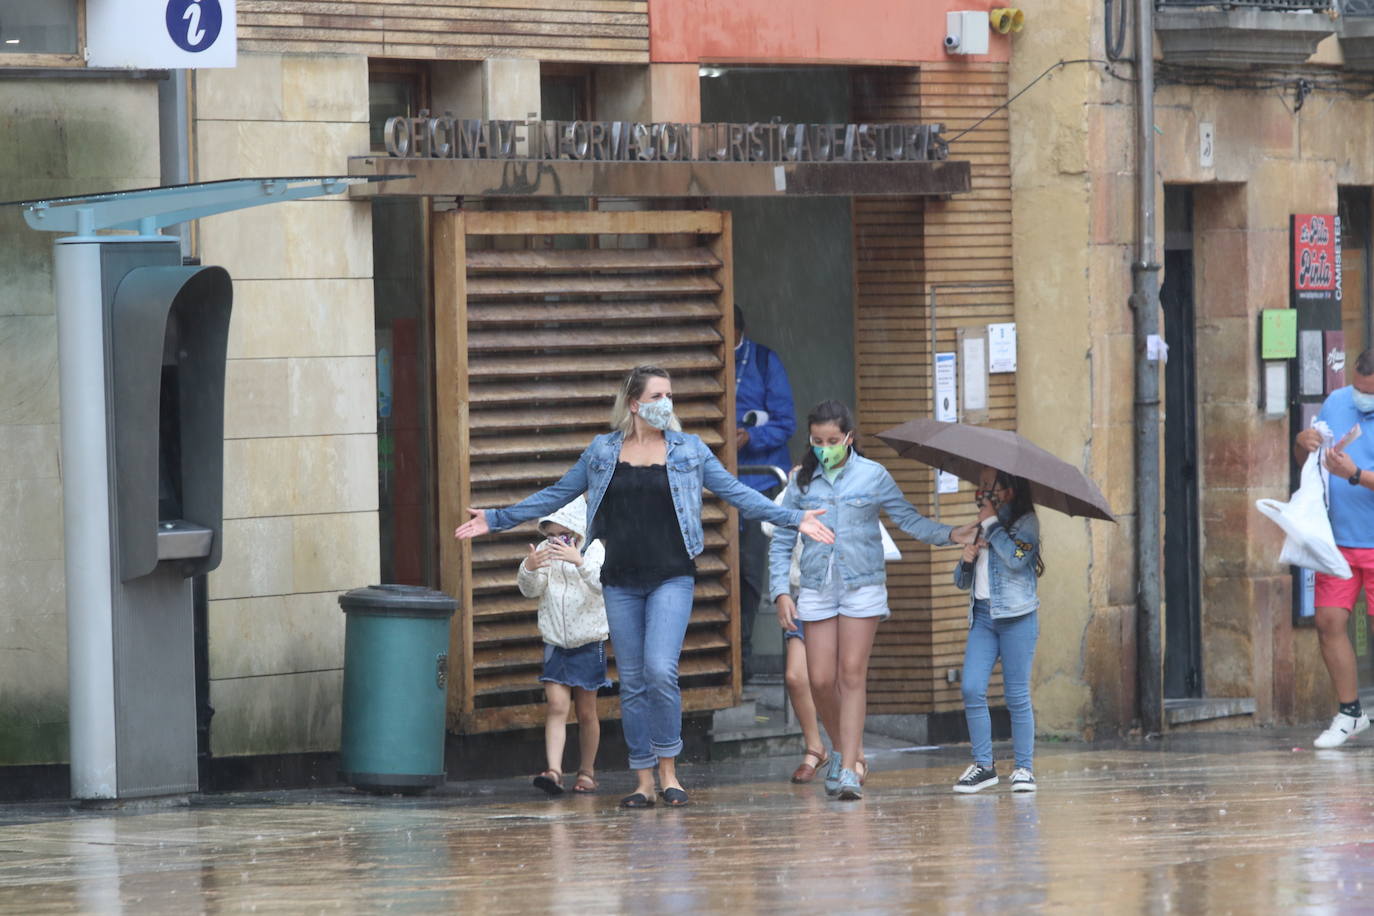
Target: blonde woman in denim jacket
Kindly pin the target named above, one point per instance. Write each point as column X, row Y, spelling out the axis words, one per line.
column 1000, row 572
column 843, row 594
column 644, row 484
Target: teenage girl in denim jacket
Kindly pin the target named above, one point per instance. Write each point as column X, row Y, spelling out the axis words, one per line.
column 644, row 485
column 1000, row 571
column 843, row 593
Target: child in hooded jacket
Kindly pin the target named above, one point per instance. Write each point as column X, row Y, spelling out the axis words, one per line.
column 572, row 620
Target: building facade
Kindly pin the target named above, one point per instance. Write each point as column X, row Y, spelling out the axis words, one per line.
column 396, row 355
column 1259, row 118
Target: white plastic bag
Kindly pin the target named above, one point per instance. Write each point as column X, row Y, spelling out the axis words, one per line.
column 890, row 552
column 1309, row 542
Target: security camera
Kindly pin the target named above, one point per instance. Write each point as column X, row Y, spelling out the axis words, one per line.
column 966, row 32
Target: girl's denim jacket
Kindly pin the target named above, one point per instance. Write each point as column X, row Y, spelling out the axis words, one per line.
column 851, row 507
column 1012, row 547
column 690, row 466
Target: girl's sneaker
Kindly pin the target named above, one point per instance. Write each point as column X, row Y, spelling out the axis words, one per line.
column 832, row 774
column 850, row 788
column 1022, row 780
column 976, row 778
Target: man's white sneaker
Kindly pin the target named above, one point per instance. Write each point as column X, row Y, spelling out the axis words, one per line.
column 1022, row 780
column 1342, row 729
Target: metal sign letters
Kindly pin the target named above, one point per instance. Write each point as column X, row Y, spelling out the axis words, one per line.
column 446, row 137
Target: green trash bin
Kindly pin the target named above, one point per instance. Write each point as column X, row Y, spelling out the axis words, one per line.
column 395, row 687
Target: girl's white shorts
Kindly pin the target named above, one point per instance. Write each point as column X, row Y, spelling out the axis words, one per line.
column 834, row 600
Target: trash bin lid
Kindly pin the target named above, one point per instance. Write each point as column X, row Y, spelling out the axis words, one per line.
column 403, row 600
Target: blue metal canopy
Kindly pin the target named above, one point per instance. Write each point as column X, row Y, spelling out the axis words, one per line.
column 148, row 210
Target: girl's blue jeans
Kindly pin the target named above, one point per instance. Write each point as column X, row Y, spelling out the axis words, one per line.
column 1013, row 640
column 647, row 628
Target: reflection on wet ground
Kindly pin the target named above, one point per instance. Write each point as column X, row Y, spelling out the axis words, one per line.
column 1238, row 824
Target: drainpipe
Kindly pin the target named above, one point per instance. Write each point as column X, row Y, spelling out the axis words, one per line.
column 1145, row 306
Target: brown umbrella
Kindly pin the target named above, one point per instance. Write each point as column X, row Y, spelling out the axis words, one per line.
column 964, row 451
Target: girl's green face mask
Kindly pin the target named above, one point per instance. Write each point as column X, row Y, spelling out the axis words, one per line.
column 831, row 455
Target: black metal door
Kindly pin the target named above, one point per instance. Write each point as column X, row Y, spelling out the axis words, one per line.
column 1182, row 593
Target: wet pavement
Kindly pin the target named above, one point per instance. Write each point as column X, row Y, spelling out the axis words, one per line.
column 1194, row 824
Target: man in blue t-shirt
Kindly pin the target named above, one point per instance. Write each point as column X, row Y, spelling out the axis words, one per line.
column 1351, row 507
column 764, row 421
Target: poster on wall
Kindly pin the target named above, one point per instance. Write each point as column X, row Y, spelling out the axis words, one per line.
column 1315, row 261
column 1002, row 347
column 946, row 388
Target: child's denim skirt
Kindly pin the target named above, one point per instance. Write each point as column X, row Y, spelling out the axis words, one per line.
column 583, row 667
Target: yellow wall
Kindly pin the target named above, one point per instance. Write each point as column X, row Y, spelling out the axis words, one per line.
column 1072, row 164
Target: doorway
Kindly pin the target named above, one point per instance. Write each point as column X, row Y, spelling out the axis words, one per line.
column 1182, row 580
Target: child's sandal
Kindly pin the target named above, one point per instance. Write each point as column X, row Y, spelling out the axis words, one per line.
column 549, row 782
column 586, row 783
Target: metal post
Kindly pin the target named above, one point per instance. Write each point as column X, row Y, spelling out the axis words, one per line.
column 173, row 106
column 86, row 515
column 1145, row 306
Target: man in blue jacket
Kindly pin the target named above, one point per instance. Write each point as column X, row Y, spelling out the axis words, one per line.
column 764, row 422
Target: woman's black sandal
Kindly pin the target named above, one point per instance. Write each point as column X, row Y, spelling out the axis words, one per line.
column 674, row 797
column 636, row 800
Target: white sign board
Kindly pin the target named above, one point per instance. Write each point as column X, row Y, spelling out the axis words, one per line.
column 161, row 34
column 1206, row 137
column 975, row 375
column 1002, row 348
column 945, row 482
column 946, row 391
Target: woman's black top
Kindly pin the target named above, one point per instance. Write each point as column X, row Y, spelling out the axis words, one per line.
column 637, row 523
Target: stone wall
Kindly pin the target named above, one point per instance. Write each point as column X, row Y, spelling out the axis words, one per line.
column 1270, row 162
column 57, row 138
column 1073, row 159
column 1074, row 381
column 300, row 500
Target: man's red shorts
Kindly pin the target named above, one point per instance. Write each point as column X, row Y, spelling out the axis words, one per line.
column 1332, row 592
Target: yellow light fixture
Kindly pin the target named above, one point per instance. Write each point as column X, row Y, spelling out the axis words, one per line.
column 1007, row 19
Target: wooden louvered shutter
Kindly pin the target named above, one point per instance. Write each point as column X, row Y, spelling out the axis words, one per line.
column 534, row 336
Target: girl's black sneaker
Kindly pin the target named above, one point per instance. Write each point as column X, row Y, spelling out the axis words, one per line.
column 976, row 778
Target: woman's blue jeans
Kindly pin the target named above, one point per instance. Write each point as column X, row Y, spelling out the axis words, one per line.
column 647, row 628
column 1013, row 639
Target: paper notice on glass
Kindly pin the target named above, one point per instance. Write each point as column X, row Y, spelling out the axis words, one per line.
column 1002, row 348
column 975, row 375
column 945, row 482
column 1311, row 367
column 1275, row 388
column 946, row 388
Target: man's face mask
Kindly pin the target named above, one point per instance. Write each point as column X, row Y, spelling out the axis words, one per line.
column 1364, row 403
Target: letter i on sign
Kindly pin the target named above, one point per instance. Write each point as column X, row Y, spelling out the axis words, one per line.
column 194, row 33
column 193, row 25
